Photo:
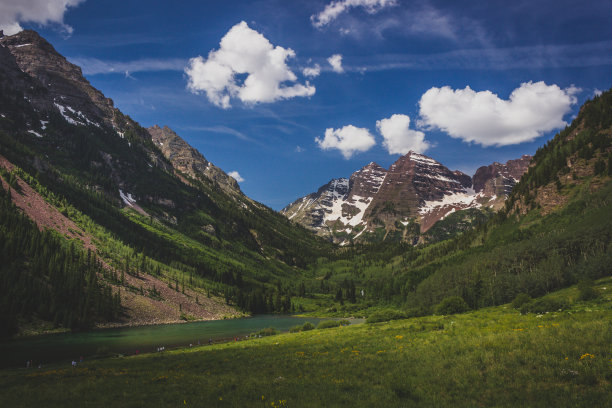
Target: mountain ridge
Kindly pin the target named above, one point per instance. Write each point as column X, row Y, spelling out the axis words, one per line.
column 416, row 191
column 189, row 160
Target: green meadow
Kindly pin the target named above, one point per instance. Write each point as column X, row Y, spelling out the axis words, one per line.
column 490, row 357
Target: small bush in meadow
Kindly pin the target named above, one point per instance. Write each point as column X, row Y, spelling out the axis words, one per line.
column 307, row 326
column 328, row 324
column 418, row 312
column 269, row 331
column 544, row 305
column 345, row 322
column 386, row 315
column 295, row 329
column 587, row 291
column 452, row 305
column 520, row 300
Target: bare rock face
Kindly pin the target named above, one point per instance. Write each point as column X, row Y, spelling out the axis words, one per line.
column 315, row 210
column 53, row 85
column 408, row 199
column 415, row 178
column 497, row 179
column 64, row 81
column 188, row 160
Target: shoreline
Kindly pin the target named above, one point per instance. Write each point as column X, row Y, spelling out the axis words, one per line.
column 30, row 333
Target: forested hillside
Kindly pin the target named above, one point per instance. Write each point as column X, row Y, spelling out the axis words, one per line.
column 145, row 218
column 43, row 275
column 555, row 230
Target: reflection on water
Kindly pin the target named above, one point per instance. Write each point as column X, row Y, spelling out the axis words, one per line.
column 131, row 340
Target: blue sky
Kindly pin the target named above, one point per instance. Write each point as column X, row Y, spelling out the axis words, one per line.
column 529, row 65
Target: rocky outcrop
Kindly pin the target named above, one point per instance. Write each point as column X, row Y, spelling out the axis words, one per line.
column 188, row 160
column 497, row 179
column 51, row 85
column 64, row 82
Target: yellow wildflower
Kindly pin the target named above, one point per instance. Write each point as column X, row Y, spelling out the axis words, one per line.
column 399, row 337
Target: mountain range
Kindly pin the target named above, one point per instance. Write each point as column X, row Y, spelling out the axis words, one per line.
column 403, row 202
column 105, row 222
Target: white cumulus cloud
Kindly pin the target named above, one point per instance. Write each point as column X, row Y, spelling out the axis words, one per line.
column 244, row 51
column 349, row 140
column 336, row 63
column 484, row 118
column 399, row 138
column 236, row 176
column 312, row 72
column 44, row 12
column 335, row 8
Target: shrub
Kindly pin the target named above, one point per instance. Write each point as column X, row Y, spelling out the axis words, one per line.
column 307, row 326
column 187, row 317
column 295, row 329
column 386, row 315
column 587, row 291
column 328, row 324
column 269, row 331
column 418, row 311
column 452, row 305
column 543, row 305
column 520, row 300
column 345, row 322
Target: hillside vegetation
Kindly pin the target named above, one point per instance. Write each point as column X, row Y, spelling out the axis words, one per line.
column 555, row 231
column 177, row 231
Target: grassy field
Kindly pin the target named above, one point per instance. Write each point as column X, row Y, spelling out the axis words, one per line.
column 490, row 357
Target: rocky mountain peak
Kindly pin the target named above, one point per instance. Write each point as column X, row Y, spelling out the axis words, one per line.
column 497, row 179
column 367, row 181
column 188, row 160
column 415, row 190
column 66, row 88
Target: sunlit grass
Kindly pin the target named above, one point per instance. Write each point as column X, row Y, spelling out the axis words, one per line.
column 490, row 357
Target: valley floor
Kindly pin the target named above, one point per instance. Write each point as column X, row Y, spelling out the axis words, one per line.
column 490, row 357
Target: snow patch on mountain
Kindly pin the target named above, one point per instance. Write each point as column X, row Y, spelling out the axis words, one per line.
column 465, row 200
column 422, row 159
column 127, row 198
column 78, row 114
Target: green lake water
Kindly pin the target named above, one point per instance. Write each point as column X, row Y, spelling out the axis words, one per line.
column 66, row 347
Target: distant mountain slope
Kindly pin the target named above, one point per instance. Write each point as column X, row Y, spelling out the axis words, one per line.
column 402, row 202
column 498, row 179
column 156, row 213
